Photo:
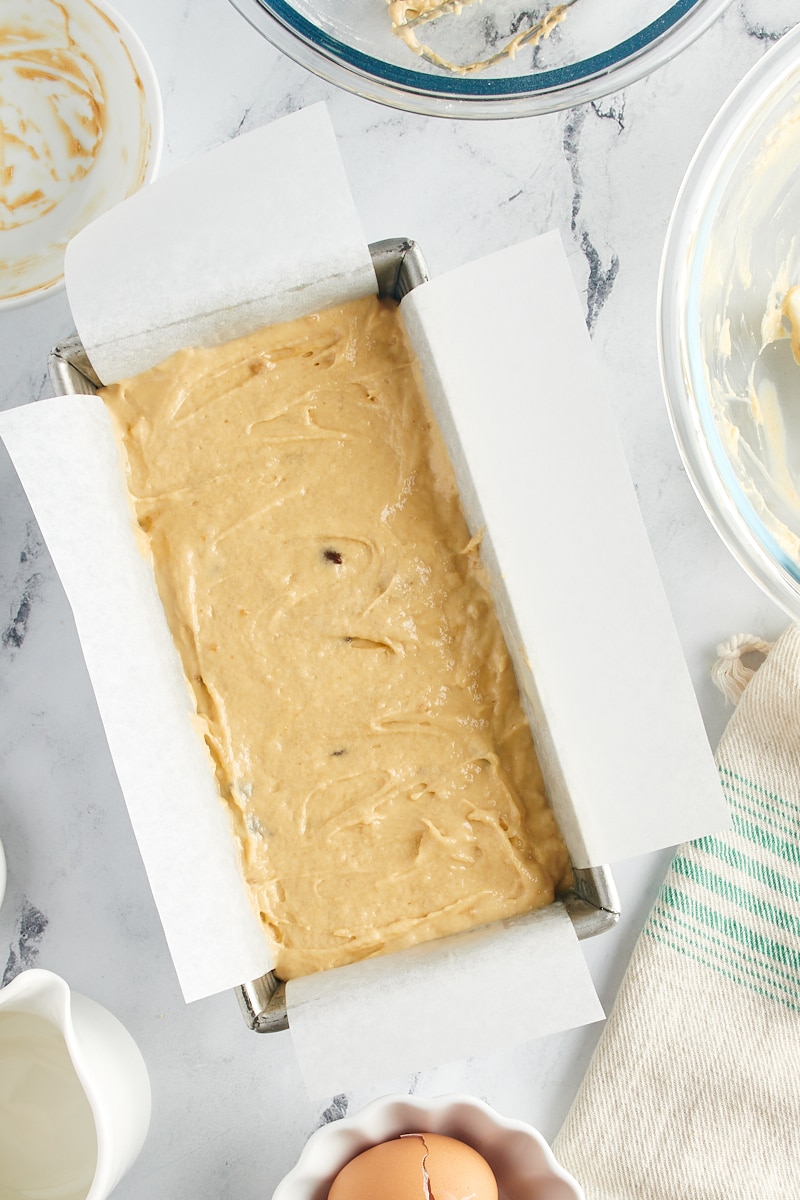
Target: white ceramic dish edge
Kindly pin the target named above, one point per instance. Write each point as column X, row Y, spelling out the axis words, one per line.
column 517, row 1153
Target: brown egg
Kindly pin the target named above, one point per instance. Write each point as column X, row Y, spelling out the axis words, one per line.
column 416, row 1166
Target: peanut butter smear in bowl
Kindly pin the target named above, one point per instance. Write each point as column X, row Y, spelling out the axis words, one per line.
column 81, row 128
column 334, row 620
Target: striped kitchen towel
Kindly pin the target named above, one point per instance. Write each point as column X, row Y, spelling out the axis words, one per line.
column 693, row 1092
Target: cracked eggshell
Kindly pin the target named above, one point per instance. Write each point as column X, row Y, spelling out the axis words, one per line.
column 416, row 1166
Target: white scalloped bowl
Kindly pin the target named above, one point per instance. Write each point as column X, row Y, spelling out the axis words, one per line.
column 519, row 1156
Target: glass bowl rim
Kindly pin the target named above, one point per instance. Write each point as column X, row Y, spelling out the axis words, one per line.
column 477, row 97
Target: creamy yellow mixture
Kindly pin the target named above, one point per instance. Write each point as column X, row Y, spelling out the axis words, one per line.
column 790, row 309
column 350, row 675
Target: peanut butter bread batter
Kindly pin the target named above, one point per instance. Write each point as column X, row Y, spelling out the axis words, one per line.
column 349, row 671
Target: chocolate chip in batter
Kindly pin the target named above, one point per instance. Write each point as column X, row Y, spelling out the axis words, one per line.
column 332, row 556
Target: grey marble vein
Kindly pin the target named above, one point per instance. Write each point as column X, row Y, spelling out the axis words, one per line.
column 23, row 953
column 337, row 1109
column 767, row 20
column 25, row 589
column 601, row 276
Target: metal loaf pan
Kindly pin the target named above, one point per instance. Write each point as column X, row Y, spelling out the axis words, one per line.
column 592, row 905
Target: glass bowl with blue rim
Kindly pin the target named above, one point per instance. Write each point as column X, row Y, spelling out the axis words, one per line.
column 729, row 322
column 481, row 58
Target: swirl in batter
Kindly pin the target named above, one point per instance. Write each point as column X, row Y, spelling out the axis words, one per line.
column 334, row 621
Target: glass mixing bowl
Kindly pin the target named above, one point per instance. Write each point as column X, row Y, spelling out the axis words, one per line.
column 540, row 58
column 729, row 322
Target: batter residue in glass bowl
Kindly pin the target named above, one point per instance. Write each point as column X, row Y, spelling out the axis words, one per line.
column 407, row 16
column 750, row 329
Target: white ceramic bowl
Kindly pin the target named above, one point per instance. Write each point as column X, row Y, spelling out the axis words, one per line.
column 3, row 873
column 519, row 1156
column 731, row 257
column 81, row 115
column 600, row 47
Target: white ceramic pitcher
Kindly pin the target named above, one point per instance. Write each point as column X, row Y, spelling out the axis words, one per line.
column 74, row 1093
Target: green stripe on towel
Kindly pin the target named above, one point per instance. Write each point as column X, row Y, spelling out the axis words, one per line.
column 725, row 930
column 746, row 956
column 788, row 851
column 737, row 895
column 750, row 866
column 730, row 927
column 729, row 959
column 786, row 819
column 735, row 978
column 756, row 789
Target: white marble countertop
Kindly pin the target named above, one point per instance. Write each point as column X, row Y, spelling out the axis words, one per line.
column 230, row 1114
